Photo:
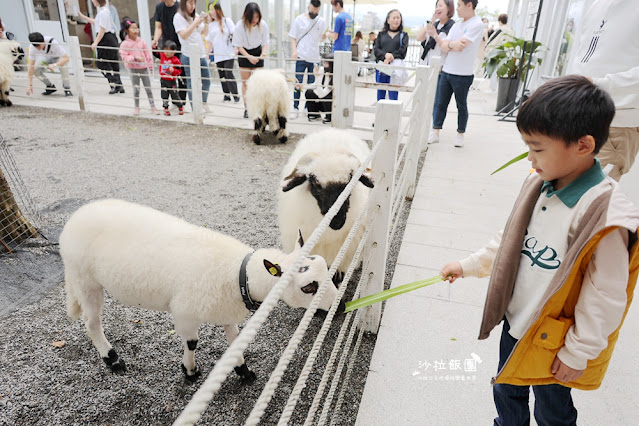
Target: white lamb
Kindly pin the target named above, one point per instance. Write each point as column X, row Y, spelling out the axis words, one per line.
column 315, row 175
column 267, row 103
column 153, row 260
column 8, row 54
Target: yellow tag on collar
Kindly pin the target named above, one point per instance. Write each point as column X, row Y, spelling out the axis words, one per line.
column 273, row 270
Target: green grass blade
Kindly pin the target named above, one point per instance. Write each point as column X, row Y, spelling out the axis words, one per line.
column 392, row 292
column 514, row 160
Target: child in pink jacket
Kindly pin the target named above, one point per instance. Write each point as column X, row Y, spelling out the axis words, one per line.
column 137, row 58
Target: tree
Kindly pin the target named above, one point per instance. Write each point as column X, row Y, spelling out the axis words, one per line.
column 14, row 227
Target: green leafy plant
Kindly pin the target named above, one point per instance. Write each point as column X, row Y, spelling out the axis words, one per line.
column 504, row 60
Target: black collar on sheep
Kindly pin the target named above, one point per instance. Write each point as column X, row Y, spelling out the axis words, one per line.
column 273, row 268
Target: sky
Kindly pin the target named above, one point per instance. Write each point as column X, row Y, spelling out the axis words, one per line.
column 424, row 8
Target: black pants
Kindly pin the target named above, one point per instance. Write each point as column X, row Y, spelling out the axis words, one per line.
column 315, row 104
column 108, row 60
column 225, row 71
column 169, row 89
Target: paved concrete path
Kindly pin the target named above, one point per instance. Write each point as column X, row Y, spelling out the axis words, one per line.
column 457, row 208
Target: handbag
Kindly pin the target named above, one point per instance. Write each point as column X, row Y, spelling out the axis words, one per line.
column 399, row 76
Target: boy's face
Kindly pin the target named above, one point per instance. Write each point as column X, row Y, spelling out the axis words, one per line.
column 555, row 161
column 169, row 53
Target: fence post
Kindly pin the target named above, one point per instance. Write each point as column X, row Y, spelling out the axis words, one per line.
column 196, row 83
column 387, row 119
column 343, row 91
column 415, row 137
column 433, row 80
column 78, row 70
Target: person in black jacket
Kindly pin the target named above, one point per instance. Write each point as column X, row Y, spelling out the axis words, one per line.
column 443, row 22
column 391, row 44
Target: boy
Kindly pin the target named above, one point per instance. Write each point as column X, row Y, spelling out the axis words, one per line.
column 170, row 68
column 564, row 268
column 45, row 50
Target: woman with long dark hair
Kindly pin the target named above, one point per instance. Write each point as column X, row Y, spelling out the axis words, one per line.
column 221, row 37
column 190, row 27
column 251, row 38
column 106, row 45
column 391, row 44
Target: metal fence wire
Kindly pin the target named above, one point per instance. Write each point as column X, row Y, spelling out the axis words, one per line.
column 19, row 218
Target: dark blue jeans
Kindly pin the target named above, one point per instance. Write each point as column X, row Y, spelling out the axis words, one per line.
column 380, row 77
column 300, row 67
column 553, row 403
column 447, row 84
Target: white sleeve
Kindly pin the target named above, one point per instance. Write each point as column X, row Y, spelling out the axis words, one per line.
column 239, row 37
column 601, row 303
column 210, row 36
column 480, row 263
column 295, row 28
column 620, row 80
column 179, row 23
column 230, row 25
column 475, row 34
column 265, row 34
column 33, row 52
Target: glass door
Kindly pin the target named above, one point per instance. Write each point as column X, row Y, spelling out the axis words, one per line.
column 49, row 18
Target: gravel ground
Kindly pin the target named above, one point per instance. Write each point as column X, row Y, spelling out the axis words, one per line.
column 214, row 177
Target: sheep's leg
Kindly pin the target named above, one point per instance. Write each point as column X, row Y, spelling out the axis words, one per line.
column 282, row 134
column 259, row 126
column 242, row 370
column 92, row 301
column 188, row 331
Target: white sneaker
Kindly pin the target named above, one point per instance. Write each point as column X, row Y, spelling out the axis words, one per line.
column 433, row 137
column 294, row 114
column 206, row 108
column 459, row 142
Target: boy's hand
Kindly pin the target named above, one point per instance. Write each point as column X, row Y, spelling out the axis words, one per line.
column 451, row 271
column 563, row 373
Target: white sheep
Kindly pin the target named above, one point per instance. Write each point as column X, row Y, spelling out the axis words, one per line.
column 267, row 103
column 8, row 54
column 317, row 172
column 153, row 260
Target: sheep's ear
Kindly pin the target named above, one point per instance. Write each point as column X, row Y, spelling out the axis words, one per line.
column 273, row 268
column 295, row 179
column 300, row 239
column 366, row 181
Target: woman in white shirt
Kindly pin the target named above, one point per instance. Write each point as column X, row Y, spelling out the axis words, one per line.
column 107, row 45
column 190, row 28
column 251, row 39
column 221, row 37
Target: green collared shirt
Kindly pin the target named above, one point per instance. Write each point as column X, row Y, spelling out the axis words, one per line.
column 571, row 193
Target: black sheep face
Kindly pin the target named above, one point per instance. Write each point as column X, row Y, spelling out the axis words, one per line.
column 326, row 197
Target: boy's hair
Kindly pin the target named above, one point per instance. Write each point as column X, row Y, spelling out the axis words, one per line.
column 474, row 2
column 36, row 38
column 316, row 3
column 169, row 45
column 101, row 2
column 568, row 108
column 503, row 18
column 336, row 2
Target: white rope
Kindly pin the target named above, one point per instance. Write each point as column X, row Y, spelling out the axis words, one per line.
column 351, row 363
column 287, row 355
column 193, row 411
column 303, row 377
column 331, row 361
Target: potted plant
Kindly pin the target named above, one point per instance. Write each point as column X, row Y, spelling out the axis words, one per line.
column 504, row 60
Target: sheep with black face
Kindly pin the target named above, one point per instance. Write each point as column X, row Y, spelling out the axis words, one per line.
column 149, row 259
column 313, row 178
